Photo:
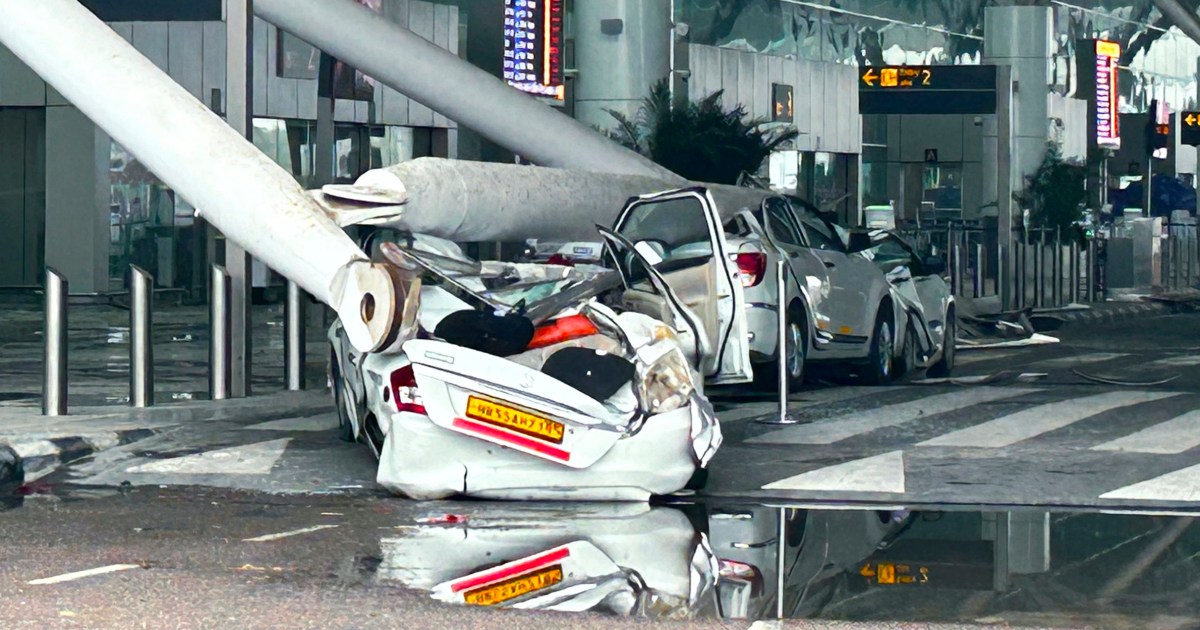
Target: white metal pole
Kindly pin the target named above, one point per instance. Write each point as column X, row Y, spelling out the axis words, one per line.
column 240, row 191
column 141, row 339
column 453, row 87
column 54, row 329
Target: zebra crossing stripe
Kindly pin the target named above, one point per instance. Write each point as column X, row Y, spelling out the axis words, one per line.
column 1035, row 421
column 881, row 473
column 1179, row 485
column 852, row 424
column 1095, row 357
column 1172, row 437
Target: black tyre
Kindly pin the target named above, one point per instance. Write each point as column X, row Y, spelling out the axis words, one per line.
column 881, row 362
column 945, row 366
column 766, row 375
column 341, row 401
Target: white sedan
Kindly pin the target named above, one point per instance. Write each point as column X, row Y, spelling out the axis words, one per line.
column 519, row 382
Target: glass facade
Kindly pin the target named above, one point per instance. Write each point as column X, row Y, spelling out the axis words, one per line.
column 152, row 228
column 1158, row 61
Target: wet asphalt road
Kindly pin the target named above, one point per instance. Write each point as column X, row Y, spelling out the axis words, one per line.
column 199, row 572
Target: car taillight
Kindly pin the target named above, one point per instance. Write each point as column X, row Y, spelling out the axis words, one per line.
column 559, row 259
column 404, row 391
column 562, row 329
column 752, row 267
column 735, row 569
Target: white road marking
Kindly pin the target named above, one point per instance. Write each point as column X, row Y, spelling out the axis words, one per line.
column 323, row 422
column 852, row 424
column 1174, row 436
column 1180, row 485
column 1041, row 419
column 881, row 473
column 1187, row 360
column 294, row 532
column 251, row 459
column 1081, row 359
column 976, row 357
column 69, row 577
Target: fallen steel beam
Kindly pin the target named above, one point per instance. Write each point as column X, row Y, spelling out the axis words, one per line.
column 239, row 190
column 486, row 201
column 453, row 87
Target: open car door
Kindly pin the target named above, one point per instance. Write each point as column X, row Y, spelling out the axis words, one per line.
column 681, row 235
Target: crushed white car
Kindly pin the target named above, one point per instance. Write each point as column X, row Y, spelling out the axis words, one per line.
column 528, row 381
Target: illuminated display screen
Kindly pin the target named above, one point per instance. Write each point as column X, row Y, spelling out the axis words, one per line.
column 1108, row 132
column 533, row 46
column 927, row 90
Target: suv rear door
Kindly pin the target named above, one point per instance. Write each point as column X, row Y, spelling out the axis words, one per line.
column 681, row 233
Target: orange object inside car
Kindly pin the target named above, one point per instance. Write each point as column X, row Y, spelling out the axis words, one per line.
column 562, row 329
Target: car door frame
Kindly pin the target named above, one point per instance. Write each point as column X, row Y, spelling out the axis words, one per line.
column 733, row 350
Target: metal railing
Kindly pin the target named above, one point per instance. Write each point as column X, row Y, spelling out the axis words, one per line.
column 141, row 344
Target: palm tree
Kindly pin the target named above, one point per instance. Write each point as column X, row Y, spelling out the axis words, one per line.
column 699, row 140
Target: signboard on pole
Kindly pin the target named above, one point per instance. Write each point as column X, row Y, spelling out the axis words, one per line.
column 927, row 90
column 1189, row 128
column 1105, row 113
column 533, row 47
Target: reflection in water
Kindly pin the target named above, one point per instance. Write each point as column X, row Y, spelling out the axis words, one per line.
column 1006, row 567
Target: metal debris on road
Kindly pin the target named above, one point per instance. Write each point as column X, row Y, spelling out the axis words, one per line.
column 1111, row 381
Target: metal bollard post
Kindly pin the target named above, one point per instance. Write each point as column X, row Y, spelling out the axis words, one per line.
column 780, row 563
column 1091, row 270
column 54, row 330
column 1002, row 279
column 781, row 332
column 1074, row 273
column 293, row 332
column 220, row 320
column 980, row 272
column 1039, row 275
column 1056, row 265
column 141, row 345
column 956, row 274
column 1176, row 261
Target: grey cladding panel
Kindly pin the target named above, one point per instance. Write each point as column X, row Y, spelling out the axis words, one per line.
column 306, row 99
column 214, row 62
column 186, row 55
column 420, row 20
column 19, row 85
column 760, row 103
column 729, row 77
column 745, row 84
column 150, row 38
column 441, row 37
column 261, row 71
column 281, row 93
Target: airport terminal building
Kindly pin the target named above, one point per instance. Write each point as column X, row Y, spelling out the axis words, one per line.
column 72, row 199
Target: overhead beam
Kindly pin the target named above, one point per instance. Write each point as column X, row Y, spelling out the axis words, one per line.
column 453, row 87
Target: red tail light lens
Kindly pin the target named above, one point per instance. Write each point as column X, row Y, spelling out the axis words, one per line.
column 404, row 391
column 559, row 259
column 752, row 267
column 562, row 329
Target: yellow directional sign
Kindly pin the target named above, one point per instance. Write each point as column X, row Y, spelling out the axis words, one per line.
column 927, row 89
column 1189, row 131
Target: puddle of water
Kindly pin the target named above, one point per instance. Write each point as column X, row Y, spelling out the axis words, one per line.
column 994, row 566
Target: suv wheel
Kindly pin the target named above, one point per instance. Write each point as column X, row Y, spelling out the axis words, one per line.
column 881, row 362
column 945, row 365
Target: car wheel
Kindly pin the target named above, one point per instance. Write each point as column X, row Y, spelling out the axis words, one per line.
column 945, row 365
column 766, row 375
column 342, row 401
column 881, row 362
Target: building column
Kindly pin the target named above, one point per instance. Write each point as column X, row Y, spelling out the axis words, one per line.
column 1020, row 37
column 77, row 198
column 622, row 47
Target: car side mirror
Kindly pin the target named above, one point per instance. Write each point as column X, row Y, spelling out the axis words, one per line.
column 859, row 242
column 935, row 265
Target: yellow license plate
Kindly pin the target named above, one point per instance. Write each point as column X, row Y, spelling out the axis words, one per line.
column 514, row 587
column 514, row 419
